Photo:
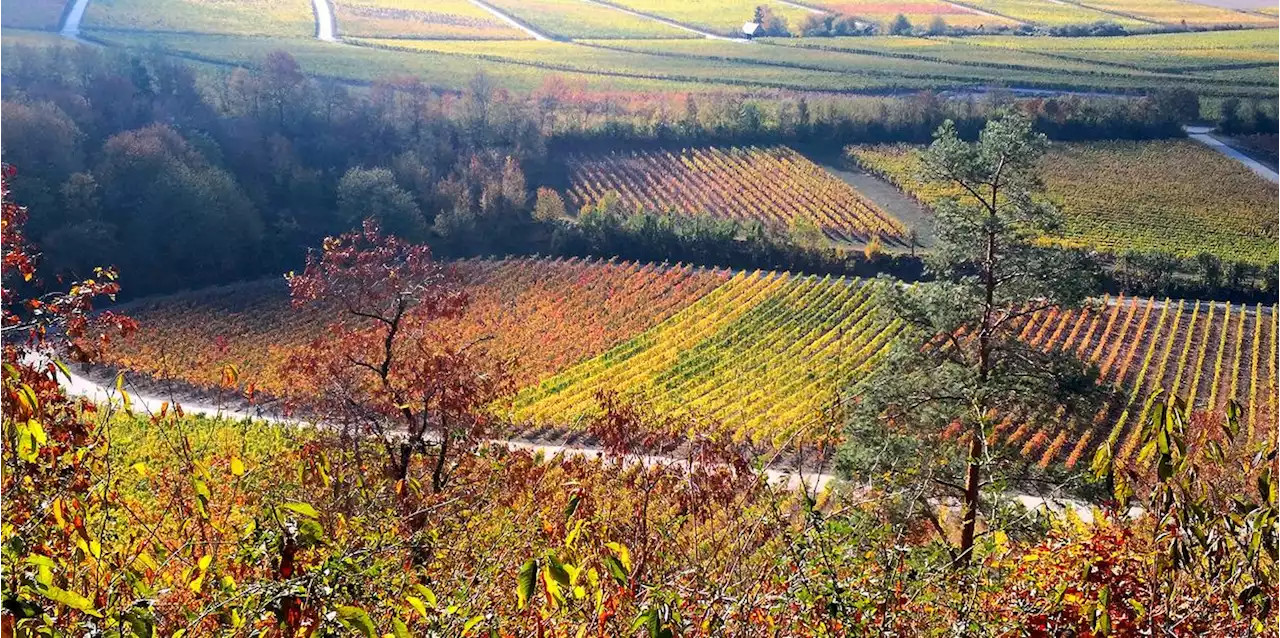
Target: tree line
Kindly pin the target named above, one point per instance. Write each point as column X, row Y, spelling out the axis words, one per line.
column 185, row 179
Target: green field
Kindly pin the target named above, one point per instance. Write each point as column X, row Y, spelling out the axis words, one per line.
column 278, row 18
column 920, row 12
column 1046, row 13
column 446, row 19
column 723, row 17
column 571, row 19
column 1176, row 196
column 31, row 14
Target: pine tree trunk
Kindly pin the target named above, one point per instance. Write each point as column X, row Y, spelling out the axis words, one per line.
column 972, row 481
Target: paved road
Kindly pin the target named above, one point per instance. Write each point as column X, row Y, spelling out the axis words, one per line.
column 324, row 21
column 510, row 20
column 1203, row 135
column 71, row 28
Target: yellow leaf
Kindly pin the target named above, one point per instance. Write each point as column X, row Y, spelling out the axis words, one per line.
column 237, row 467
column 204, row 563
column 140, row 468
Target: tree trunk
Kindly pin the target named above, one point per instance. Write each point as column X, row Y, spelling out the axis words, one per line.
column 972, row 481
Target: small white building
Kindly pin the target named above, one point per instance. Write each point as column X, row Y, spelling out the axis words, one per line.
column 751, row 29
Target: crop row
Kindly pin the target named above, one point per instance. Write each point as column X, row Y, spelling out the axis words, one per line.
column 458, row 19
column 544, row 314
column 766, row 353
column 775, row 186
column 1175, row 196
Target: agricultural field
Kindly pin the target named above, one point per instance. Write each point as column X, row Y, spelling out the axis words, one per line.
column 1047, row 13
column 42, row 15
column 1177, row 12
column 572, row 19
column 1176, row 196
column 920, row 12
column 775, row 186
column 1205, row 353
column 766, row 353
column 280, row 18
column 722, row 17
column 544, row 314
column 437, row 19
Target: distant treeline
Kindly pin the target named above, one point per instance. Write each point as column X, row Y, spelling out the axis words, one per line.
column 131, row 160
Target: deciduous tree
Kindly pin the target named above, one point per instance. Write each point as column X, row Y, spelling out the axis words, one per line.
column 384, row 370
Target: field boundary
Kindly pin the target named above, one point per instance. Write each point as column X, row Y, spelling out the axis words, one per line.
column 514, row 21
column 671, row 23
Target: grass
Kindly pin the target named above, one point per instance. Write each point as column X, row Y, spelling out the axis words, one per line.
column 571, row 19
column 280, row 18
column 723, row 17
column 37, row 39
column 444, row 19
column 43, row 15
column 1176, row 196
column 920, row 12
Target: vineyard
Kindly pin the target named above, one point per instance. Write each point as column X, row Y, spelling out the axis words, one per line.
column 918, row 12
column 577, row 19
column 1177, row 12
column 765, row 353
column 775, row 186
column 458, row 19
column 723, row 17
column 1050, row 14
column 1175, row 196
column 544, row 314
column 280, row 18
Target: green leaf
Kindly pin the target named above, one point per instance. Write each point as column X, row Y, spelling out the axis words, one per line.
column 471, row 624
column 357, row 619
column 572, row 507
column 417, row 605
column 303, row 509
column 427, row 595
column 525, row 583
column 623, row 554
column 70, row 599
column 399, row 629
column 63, row 368
column 616, row 570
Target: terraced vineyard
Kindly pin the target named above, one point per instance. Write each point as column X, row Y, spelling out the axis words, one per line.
column 452, row 19
column 545, row 314
column 279, row 18
column 775, row 186
column 1175, row 195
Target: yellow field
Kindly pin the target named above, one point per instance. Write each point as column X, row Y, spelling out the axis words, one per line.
column 724, row 17
column 919, row 12
column 233, row 17
column 443, row 19
column 1049, row 14
column 1175, row 12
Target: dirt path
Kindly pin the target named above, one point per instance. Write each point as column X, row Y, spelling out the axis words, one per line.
column 883, row 194
column 326, row 26
column 71, row 27
column 1203, row 135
